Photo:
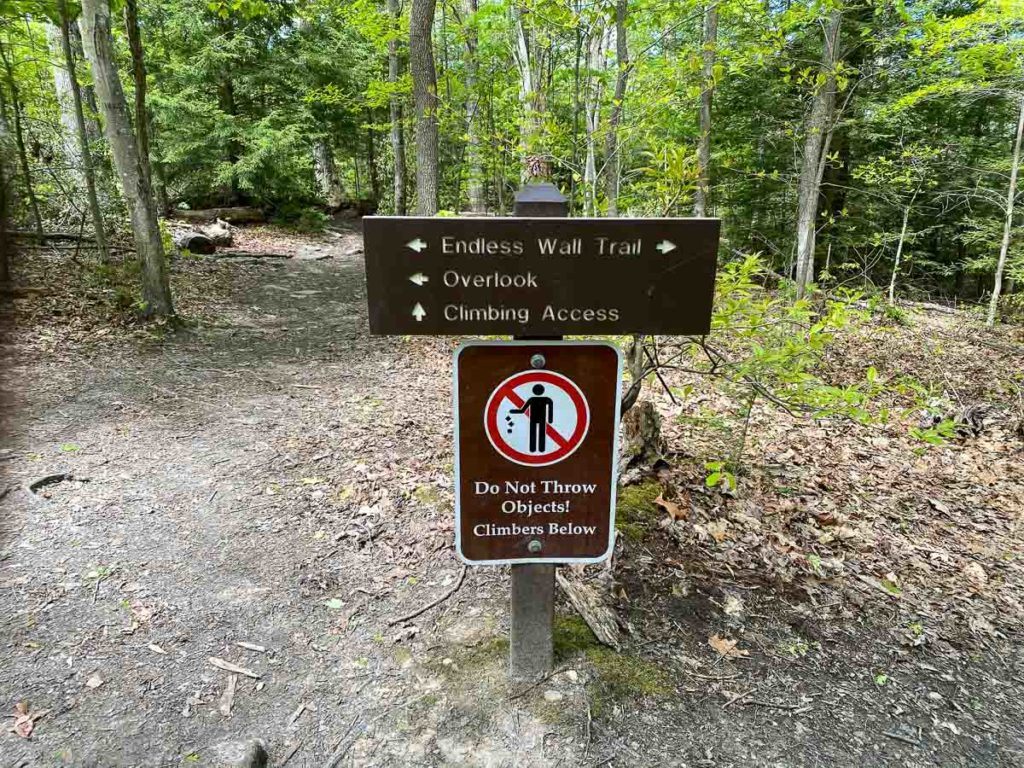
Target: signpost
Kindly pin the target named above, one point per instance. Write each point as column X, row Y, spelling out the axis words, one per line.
column 539, row 276
column 537, row 419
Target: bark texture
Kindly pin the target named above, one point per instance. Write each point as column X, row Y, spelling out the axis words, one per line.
column 818, row 122
column 80, row 131
column 475, row 171
column 395, row 106
column 424, row 90
column 700, row 198
column 1011, row 195
column 327, row 182
column 613, row 164
column 99, row 49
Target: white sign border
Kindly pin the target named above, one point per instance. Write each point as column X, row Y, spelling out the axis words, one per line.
column 615, row 451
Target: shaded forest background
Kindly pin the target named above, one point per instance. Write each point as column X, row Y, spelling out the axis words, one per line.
column 848, row 143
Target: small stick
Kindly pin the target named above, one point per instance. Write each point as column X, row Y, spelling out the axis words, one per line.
column 428, row 606
column 251, row 646
column 227, row 666
column 901, row 737
column 739, row 696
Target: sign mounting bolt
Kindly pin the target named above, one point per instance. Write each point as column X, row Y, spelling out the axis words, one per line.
column 537, row 361
column 535, row 546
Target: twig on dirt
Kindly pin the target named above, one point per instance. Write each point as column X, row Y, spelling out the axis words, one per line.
column 298, row 713
column 251, row 646
column 343, row 747
column 711, row 677
column 428, row 606
column 289, row 754
column 227, row 699
column 227, row 666
column 770, row 705
column 738, row 696
column 901, row 737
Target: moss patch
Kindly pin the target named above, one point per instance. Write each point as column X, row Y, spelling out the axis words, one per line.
column 618, row 676
column 635, row 509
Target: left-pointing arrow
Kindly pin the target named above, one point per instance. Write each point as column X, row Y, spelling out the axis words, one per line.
column 417, row 245
column 419, row 278
column 419, row 312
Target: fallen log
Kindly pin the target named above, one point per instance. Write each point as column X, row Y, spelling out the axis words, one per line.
column 194, row 241
column 219, row 232
column 234, row 215
column 591, row 605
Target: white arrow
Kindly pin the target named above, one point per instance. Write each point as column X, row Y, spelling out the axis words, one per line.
column 417, row 245
column 665, row 246
column 419, row 278
column 419, row 312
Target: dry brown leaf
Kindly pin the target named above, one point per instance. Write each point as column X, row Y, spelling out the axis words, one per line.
column 24, row 720
column 727, row 647
column 673, row 509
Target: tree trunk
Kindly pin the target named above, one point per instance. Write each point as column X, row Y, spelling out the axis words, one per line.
column 613, row 164
column 84, row 151
column 475, row 172
column 899, row 252
column 528, row 61
column 19, row 138
column 371, row 158
column 424, row 89
column 1004, row 247
column 327, row 182
column 131, row 23
column 397, row 142
column 822, row 105
column 5, row 237
column 700, row 198
column 70, row 144
column 99, row 48
column 591, row 115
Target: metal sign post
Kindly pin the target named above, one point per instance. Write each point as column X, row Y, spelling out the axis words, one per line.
column 537, row 418
column 531, row 650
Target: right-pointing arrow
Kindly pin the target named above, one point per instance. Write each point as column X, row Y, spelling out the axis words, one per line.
column 417, row 245
column 665, row 246
column 419, row 312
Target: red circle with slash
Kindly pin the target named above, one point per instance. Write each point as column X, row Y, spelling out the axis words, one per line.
column 530, row 441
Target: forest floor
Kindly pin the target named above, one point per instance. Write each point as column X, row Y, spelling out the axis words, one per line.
column 272, row 475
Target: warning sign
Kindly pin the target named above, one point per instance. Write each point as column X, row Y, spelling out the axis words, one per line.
column 535, row 452
column 536, row 418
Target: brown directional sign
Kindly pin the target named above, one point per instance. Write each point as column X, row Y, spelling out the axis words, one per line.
column 539, row 276
column 535, row 451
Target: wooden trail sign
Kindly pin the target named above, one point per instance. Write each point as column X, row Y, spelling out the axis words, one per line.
column 539, row 276
column 535, row 451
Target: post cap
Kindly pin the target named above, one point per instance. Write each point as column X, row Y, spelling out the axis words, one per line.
column 540, row 199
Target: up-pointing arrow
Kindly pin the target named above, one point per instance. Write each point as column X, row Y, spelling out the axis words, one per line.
column 419, row 312
column 419, row 278
column 417, row 245
column 665, row 246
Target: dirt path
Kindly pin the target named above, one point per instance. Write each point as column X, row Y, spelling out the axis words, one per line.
column 278, row 477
